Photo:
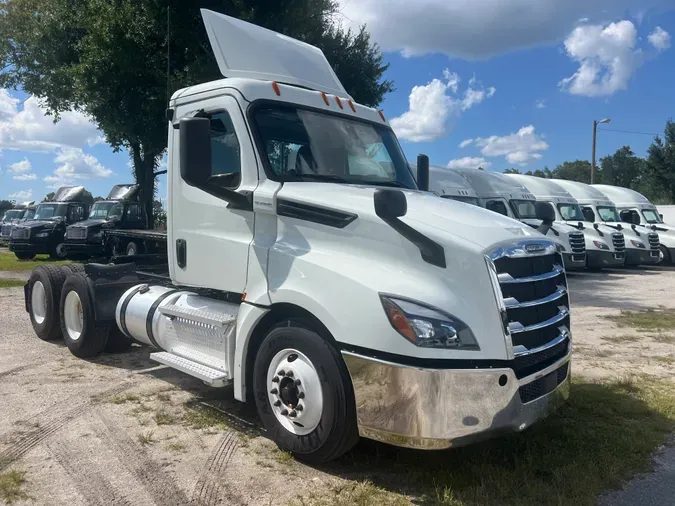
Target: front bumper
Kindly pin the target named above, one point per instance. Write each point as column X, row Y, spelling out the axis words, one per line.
column 83, row 248
column 574, row 261
column 442, row 408
column 598, row 258
column 38, row 249
column 636, row 256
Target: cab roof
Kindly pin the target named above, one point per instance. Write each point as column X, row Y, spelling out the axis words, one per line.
column 584, row 193
column 68, row 194
column 448, row 182
column 623, row 196
column 493, row 184
column 542, row 188
column 123, row 192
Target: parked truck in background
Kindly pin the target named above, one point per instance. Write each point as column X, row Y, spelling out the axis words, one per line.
column 502, row 195
column 634, row 208
column 18, row 214
column 45, row 233
column 451, row 185
column 605, row 246
column 121, row 210
column 345, row 304
column 642, row 244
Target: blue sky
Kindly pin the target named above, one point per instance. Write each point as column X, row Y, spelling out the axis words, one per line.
column 488, row 72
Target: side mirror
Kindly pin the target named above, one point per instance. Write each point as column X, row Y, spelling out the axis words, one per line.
column 195, row 151
column 635, row 218
column 661, row 216
column 544, row 212
column 390, row 204
column 423, row 172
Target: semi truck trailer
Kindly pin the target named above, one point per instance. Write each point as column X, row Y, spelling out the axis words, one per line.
column 341, row 298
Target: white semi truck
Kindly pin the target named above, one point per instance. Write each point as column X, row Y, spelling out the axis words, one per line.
column 642, row 244
column 605, row 246
column 343, row 304
column 635, row 208
column 450, row 185
column 507, row 197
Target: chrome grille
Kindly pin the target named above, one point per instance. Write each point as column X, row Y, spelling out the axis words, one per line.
column 6, row 230
column 76, row 233
column 619, row 242
column 577, row 242
column 20, row 233
column 654, row 242
column 534, row 290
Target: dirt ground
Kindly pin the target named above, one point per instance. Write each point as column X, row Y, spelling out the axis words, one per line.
column 121, row 430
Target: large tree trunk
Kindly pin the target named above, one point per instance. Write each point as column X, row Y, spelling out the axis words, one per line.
column 144, row 172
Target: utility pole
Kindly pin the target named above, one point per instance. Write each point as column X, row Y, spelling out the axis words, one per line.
column 595, row 134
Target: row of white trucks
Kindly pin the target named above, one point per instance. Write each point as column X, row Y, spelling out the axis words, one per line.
column 312, row 272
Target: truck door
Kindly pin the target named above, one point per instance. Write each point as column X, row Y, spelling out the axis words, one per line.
column 208, row 239
column 76, row 213
column 133, row 216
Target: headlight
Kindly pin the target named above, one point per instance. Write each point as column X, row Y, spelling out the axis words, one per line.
column 600, row 245
column 428, row 327
column 637, row 244
column 42, row 234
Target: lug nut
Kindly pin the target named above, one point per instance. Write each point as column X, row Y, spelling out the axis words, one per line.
column 284, row 412
column 297, row 383
column 281, row 372
column 301, row 395
column 292, row 414
column 277, row 403
column 289, row 374
column 299, row 407
column 274, row 391
column 275, row 379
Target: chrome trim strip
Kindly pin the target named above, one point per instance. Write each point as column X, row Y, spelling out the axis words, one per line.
column 507, row 278
column 512, row 302
column 521, row 351
column 517, row 327
column 547, row 370
column 518, row 250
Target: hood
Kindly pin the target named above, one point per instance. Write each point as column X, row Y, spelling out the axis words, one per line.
column 427, row 212
column 39, row 224
column 93, row 222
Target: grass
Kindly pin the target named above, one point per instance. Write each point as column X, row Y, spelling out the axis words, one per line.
column 164, row 397
column 621, row 339
column 204, row 417
column 603, row 435
column 176, row 447
column 145, row 438
column 11, row 486
column 10, row 283
column 663, row 338
column 645, row 321
column 9, row 262
column 282, row 457
column 163, row 417
column 121, row 399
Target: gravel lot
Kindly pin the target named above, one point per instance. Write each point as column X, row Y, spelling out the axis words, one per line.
column 121, row 430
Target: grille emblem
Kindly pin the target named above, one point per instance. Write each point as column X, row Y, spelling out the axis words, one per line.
column 534, row 248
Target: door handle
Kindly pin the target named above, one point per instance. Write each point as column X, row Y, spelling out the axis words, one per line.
column 181, row 253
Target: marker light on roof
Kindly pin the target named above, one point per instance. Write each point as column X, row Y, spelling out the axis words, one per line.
column 275, row 86
column 351, row 104
column 339, row 102
column 325, row 98
column 381, row 115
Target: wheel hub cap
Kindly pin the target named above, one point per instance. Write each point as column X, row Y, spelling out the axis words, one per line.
column 73, row 315
column 39, row 302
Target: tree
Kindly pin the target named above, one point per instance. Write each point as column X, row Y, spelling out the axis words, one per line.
column 49, row 197
column 5, row 205
column 512, row 171
column 159, row 215
column 109, row 60
column 545, row 173
column 660, row 165
column 622, row 168
column 578, row 170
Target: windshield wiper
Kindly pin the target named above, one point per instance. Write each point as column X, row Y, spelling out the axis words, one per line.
column 395, row 184
column 320, row 177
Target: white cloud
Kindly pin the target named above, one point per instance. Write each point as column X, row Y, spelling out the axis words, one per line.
column 518, row 148
column 21, row 195
column 433, row 109
column 20, row 167
column 469, row 163
column 540, row 104
column 26, row 177
column 607, row 58
column 660, row 39
column 75, row 165
column 478, row 29
column 32, row 129
column 465, row 143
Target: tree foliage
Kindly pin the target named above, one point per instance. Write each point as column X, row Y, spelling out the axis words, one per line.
column 109, row 59
column 5, row 205
column 660, row 165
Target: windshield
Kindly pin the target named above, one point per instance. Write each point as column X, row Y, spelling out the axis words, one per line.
column 14, row 214
column 571, row 212
column 467, row 200
column 651, row 216
column 608, row 213
column 106, row 210
column 524, row 209
column 30, row 213
column 302, row 145
column 50, row 211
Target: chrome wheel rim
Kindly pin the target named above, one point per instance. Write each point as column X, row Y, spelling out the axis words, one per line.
column 73, row 315
column 38, row 302
column 61, row 250
column 294, row 392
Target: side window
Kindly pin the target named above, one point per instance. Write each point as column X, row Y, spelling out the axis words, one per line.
column 225, row 151
column 588, row 213
column 497, row 206
column 134, row 212
column 75, row 212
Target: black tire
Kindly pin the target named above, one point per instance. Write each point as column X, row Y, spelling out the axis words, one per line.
column 72, row 268
column 94, row 335
column 58, row 251
column 24, row 255
column 132, row 248
column 666, row 256
column 117, row 341
column 336, row 431
column 52, row 278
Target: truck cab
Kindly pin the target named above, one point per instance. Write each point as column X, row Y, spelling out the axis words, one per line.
column 635, row 209
column 344, row 299
column 642, row 244
column 121, row 210
column 18, row 214
column 451, row 185
column 605, row 246
column 45, row 233
column 505, row 196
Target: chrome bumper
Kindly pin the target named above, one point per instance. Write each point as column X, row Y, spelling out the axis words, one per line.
column 443, row 408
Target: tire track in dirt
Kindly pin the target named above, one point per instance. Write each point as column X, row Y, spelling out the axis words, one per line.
column 209, row 489
column 155, row 480
column 18, row 369
column 90, row 483
column 57, row 418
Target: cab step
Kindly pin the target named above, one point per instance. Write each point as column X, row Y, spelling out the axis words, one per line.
column 217, row 320
column 210, row 376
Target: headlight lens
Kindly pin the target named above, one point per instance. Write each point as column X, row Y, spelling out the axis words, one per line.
column 600, row 245
column 428, row 327
column 637, row 244
column 42, row 234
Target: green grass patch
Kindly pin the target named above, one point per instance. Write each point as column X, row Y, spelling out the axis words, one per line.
column 11, row 486
column 145, row 438
column 204, row 417
column 9, row 262
column 358, row 493
column 176, row 447
column 645, row 321
column 163, row 417
column 604, row 434
column 282, row 457
column 663, row 338
column 121, row 399
column 10, row 283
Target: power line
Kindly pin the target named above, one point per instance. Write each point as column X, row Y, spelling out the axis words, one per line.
column 627, row 131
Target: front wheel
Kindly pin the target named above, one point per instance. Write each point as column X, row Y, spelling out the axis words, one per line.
column 665, row 255
column 58, row 252
column 304, row 394
column 24, row 255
